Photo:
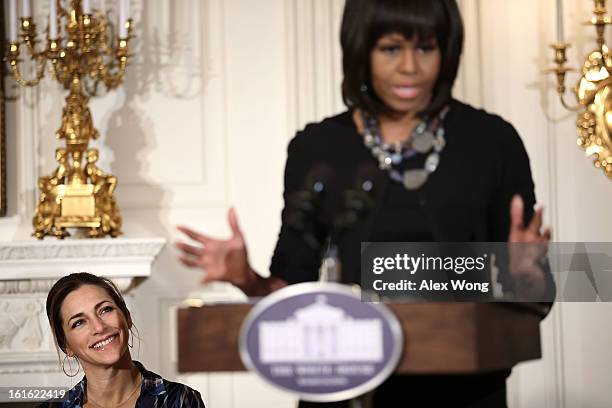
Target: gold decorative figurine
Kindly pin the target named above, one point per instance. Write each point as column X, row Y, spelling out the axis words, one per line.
column 78, row 194
column 593, row 92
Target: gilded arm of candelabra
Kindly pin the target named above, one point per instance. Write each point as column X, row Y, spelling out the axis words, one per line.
column 82, row 55
column 593, row 92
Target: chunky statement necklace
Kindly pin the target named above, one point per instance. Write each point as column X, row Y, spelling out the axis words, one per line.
column 427, row 139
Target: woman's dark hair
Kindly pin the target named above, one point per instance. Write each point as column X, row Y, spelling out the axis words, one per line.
column 366, row 21
column 68, row 284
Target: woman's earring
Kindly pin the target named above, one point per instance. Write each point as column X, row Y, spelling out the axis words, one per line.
column 364, row 88
column 130, row 337
column 67, row 359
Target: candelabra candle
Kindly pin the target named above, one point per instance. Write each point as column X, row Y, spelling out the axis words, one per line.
column 13, row 21
column 86, row 7
column 124, row 13
column 27, row 9
column 52, row 19
column 560, row 30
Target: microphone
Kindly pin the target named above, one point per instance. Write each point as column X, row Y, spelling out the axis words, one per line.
column 361, row 198
column 304, row 208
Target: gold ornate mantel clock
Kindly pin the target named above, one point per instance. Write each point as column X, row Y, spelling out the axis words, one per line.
column 83, row 54
column 593, row 91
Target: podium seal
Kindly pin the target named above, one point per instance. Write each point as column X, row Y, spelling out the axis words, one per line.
column 320, row 342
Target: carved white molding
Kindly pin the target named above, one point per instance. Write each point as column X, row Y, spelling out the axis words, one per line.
column 505, row 55
column 23, row 286
column 469, row 86
column 33, row 266
column 50, row 367
column 314, row 60
column 26, row 343
column 19, row 326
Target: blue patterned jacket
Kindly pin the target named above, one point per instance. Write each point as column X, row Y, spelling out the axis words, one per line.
column 155, row 392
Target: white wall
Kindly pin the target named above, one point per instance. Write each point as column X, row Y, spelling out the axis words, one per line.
column 214, row 93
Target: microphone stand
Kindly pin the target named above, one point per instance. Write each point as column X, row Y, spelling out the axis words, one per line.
column 357, row 204
column 305, row 207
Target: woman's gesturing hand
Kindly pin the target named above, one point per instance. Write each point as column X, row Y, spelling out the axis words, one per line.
column 527, row 248
column 222, row 259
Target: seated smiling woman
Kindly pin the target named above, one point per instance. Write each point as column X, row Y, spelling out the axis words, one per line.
column 91, row 323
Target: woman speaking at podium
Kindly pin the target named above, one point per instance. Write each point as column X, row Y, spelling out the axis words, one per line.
column 446, row 172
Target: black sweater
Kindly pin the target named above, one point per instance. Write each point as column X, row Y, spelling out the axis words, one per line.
column 468, row 198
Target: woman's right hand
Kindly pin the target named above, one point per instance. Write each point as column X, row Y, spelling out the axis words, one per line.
column 528, row 246
column 222, row 260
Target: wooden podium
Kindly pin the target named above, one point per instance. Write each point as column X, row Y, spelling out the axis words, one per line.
column 439, row 338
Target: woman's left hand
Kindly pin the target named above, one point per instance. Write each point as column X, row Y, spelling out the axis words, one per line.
column 527, row 247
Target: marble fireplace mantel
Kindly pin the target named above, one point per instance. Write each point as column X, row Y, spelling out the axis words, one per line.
column 33, row 266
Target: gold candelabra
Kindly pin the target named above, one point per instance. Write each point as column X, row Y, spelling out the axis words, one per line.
column 593, row 92
column 77, row 194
